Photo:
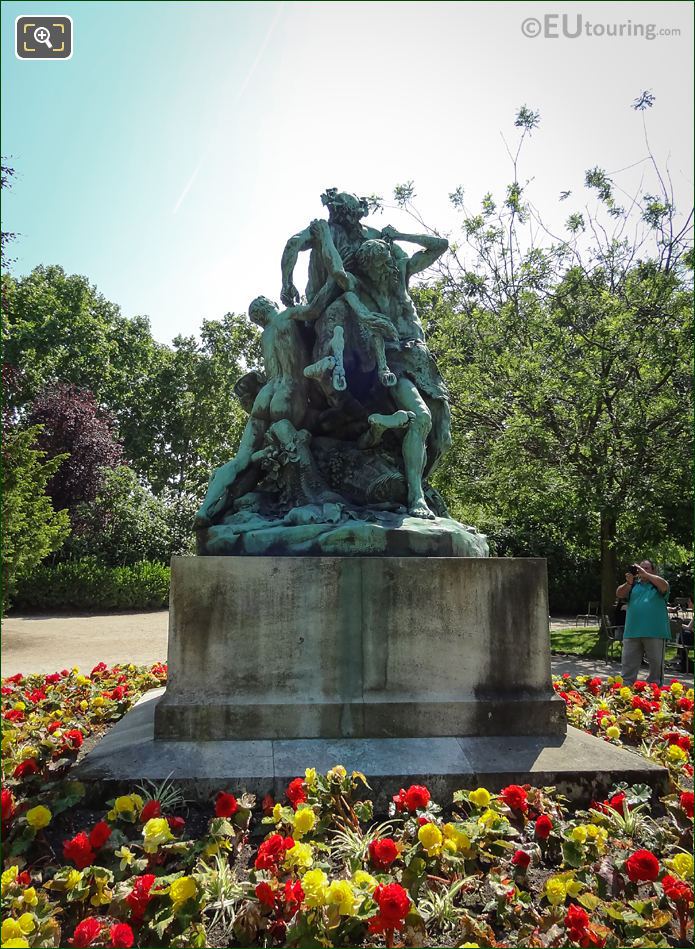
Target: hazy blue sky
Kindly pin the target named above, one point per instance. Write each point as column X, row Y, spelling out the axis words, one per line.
column 183, row 143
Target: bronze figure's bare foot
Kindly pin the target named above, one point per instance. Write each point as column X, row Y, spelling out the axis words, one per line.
column 420, row 509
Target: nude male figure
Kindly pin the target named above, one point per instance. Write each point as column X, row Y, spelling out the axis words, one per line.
column 284, row 395
column 421, row 398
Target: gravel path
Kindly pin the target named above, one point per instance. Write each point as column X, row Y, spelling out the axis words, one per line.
column 50, row 643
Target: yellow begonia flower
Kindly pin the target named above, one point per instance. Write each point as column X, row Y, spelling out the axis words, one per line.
column 10, row 930
column 310, row 777
column 304, row 821
column 340, row 894
column 637, row 715
column 362, row 880
column 8, row 877
column 185, row 888
column 29, row 896
column 574, row 887
column 677, row 687
column 301, row 855
column 315, row 885
column 430, row 836
column 73, row 879
column 277, row 813
column 28, row 752
column 19, row 706
column 449, row 847
column 26, row 923
column 38, row 817
column 480, row 797
column 488, row 817
column 555, row 891
column 128, row 805
column 84, row 705
column 676, row 755
column 98, row 701
column 18, row 943
column 682, row 865
column 126, row 856
column 613, row 732
column 82, row 680
column 337, row 773
column 625, row 692
column 103, row 895
column 156, row 832
column 460, row 840
column 579, row 834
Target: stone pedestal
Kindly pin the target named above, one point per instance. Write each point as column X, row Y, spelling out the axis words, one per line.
column 357, row 647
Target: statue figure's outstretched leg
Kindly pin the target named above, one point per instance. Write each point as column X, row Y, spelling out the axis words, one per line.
column 407, row 397
column 378, row 424
column 224, row 477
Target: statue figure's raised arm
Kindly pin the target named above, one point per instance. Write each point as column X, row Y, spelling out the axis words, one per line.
column 304, row 240
column 433, row 246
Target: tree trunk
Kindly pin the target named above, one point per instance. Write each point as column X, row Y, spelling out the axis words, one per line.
column 608, row 565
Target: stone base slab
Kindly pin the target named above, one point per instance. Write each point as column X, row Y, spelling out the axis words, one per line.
column 357, row 647
column 580, row 766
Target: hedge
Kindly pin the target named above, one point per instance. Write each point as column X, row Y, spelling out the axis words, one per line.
column 88, row 585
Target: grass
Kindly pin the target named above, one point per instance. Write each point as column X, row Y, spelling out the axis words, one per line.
column 585, row 641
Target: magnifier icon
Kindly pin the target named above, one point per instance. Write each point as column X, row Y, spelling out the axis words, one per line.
column 43, row 35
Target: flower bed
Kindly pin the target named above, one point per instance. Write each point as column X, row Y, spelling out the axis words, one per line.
column 318, row 868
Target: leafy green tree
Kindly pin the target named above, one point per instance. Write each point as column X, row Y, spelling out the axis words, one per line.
column 124, row 523
column 192, row 412
column 568, row 358
column 31, row 528
column 176, row 413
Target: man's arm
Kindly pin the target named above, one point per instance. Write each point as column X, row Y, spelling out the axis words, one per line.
column 654, row 579
column 302, row 241
column 624, row 590
column 313, row 310
column 434, row 247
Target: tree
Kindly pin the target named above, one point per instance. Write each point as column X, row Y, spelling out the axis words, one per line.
column 569, row 364
column 176, row 413
column 31, row 527
column 123, row 524
column 74, row 425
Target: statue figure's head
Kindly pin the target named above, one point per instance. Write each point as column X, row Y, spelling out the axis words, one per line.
column 374, row 260
column 260, row 310
column 247, row 387
column 344, row 208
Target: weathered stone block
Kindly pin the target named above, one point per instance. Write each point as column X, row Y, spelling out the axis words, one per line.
column 340, row 647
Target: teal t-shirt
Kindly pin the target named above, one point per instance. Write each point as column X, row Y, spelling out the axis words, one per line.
column 646, row 612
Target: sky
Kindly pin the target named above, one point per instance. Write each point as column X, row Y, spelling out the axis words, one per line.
column 173, row 155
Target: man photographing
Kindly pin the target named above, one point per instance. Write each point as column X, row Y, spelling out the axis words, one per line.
column 647, row 628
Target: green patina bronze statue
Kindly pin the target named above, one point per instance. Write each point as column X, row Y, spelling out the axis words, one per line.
column 351, row 415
